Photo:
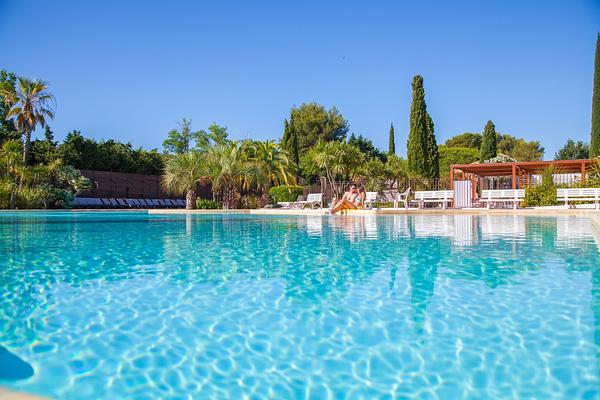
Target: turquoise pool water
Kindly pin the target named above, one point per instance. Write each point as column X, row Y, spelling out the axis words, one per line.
column 127, row 305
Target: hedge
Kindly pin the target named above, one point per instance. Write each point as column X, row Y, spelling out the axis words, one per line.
column 285, row 193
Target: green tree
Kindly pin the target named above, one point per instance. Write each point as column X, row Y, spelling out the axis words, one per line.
column 456, row 155
column 294, row 149
column 182, row 173
column 337, row 161
column 313, row 123
column 180, row 141
column 391, row 141
column 367, row 147
column 7, row 126
column 44, row 151
column 30, row 104
column 217, row 134
column 273, row 161
column 488, row 143
column 467, row 139
column 423, row 158
column 573, row 151
column 287, row 133
column 595, row 143
column 230, row 171
column 519, row 149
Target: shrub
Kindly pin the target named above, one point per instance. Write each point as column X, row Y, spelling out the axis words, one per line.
column 247, row 202
column 30, row 198
column 204, row 204
column 543, row 194
column 285, row 193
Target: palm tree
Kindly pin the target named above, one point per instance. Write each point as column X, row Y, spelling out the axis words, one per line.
column 182, row 173
column 30, row 104
column 273, row 161
column 230, row 171
column 339, row 160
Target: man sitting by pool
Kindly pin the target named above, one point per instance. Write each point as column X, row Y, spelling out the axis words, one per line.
column 351, row 200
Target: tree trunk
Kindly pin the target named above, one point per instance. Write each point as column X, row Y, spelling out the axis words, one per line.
column 26, row 146
column 13, row 199
column 190, row 199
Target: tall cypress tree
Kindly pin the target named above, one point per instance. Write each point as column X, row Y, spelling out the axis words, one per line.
column 422, row 149
column 293, row 147
column 391, row 142
column 432, row 151
column 286, row 135
column 595, row 142
column 487, row 149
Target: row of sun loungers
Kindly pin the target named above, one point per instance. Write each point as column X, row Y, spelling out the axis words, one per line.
column 92, row 202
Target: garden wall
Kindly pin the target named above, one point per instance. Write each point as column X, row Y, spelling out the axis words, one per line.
column 126, row 185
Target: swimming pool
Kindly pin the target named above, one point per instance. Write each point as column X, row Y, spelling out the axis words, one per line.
column 129, row 305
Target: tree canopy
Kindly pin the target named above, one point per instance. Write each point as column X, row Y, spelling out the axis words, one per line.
column 488, row 148
column 313, row 123
column 423, row 157
column 573, row 151
column 366, row 147
column 467, row 139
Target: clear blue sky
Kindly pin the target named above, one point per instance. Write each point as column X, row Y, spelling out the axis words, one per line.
column 131, row 69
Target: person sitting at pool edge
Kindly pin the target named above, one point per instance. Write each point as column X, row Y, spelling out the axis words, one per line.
column 351, row 200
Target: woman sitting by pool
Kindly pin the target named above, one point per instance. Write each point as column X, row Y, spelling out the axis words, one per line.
column 352, row 200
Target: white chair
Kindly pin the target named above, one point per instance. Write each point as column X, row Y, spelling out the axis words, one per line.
column 313, row 200
column 402, row 197
column 371, row 198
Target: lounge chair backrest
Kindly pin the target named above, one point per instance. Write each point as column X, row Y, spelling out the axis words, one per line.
column 316, row 197
column 180, row 202
column 122, row 203
column 301, row 198
column 96, row 202
column 370, row 197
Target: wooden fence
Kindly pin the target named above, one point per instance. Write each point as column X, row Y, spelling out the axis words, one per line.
column 137, row 186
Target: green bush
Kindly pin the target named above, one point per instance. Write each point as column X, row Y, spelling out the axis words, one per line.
column 543, row 194
column 247, row 202
column 285, row 193
column 30, row 198
column 203, row 204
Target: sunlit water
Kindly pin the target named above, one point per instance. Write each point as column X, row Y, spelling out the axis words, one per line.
column 127, row 305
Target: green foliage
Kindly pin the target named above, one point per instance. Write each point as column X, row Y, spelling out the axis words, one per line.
column 391, row 141
column 488, row 148
column 543, row 194
column 110, row 155
column 455, row 155
column 313, row 123
column 30, row 198
column 30, row 104
column 183, row 140
column 467, row 139
column 423, row 157
column 274, row 162
column 366, row 147
column 285, row 193
column 519, row 149
column 573, row 151
column 7, row 126
column 204, row 204
column 595, row 143
column 182, row 173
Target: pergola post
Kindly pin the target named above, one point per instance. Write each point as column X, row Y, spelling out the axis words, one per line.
column 514, row 176
column 451, row 177
column 583, row 172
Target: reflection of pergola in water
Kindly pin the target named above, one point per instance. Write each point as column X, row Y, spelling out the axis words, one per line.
column 519, row 172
